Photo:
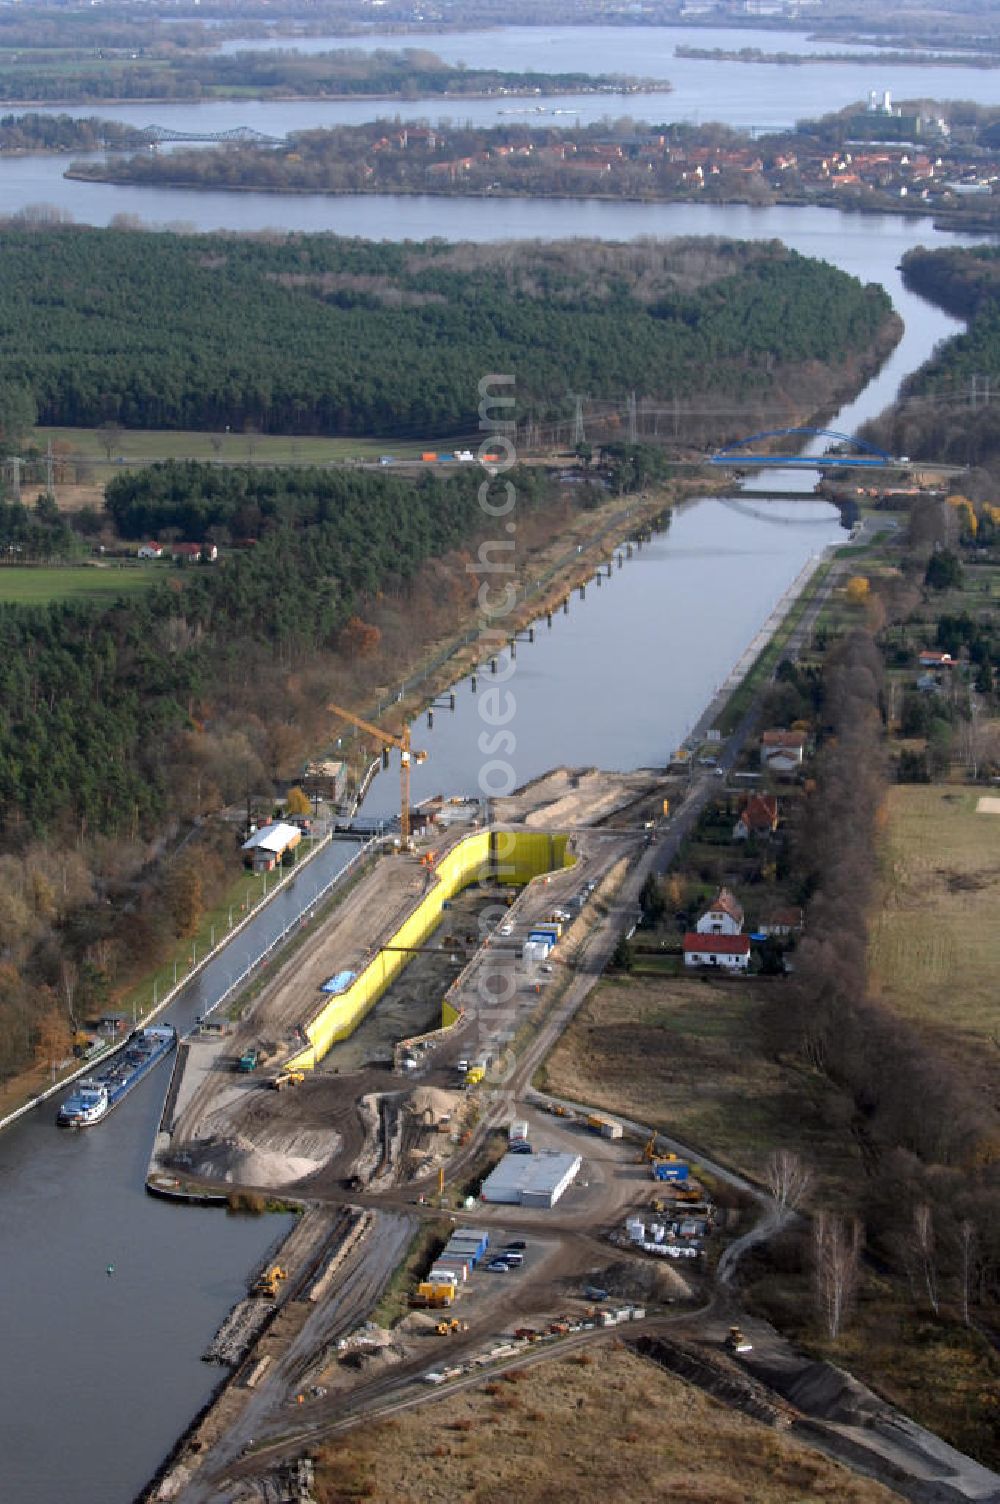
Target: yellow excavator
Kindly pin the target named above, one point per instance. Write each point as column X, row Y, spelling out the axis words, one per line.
column 267, row 1284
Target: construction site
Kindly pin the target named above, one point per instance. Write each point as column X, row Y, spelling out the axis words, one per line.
column 456, row 1222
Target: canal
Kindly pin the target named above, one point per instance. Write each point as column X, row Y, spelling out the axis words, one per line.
column 109, row 1364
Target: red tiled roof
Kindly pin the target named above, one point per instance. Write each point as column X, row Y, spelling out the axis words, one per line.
column 760, row 812
column 730, row 905
column 784, row 738
column 720, row 945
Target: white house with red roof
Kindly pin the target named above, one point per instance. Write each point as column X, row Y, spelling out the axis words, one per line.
column 782, row 751
column 727, row 952
column 718, row 939
column 724, row 915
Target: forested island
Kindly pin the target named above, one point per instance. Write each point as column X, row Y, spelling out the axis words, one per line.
column 409, row 73
column 315, row 334
column 913, row 159
column 881, row 59
column 67, row 133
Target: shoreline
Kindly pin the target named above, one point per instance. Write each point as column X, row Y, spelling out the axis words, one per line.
column 117, row 101
column 940, row 215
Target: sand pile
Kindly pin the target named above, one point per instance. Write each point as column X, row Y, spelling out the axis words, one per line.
column 431, row 1101
column 241, row 1161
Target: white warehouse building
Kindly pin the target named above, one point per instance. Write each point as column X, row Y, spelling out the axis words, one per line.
column 532, row 1179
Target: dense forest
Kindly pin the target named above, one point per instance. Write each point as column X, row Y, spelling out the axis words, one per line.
column 122, row 723
column 314, row 334
column 88, row 694
column 407, row 73
column 949, row 409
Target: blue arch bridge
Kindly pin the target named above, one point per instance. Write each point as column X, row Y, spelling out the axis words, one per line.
column 870, row 456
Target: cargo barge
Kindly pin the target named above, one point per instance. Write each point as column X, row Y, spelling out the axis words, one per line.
column 95, row 1097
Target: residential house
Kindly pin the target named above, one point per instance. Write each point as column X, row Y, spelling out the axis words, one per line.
column 782, row 923
column 782, row 751
column 758, row 817
column 195, row 552
column 150, row 551
column 936, row 660
column 724, row 915
column 727, row 952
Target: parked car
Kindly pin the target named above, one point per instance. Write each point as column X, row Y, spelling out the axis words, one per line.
column 517, row 1247
column 498, row 1266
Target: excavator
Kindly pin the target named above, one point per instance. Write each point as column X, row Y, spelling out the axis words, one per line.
column 451, row 1328
column 287, row 1078
column 267, row 1284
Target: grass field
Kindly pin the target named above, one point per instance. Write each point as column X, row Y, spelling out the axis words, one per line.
column 141, row 446
column 602, row 1424
column 21, row 585
column 935, row 944
column 686, row 1056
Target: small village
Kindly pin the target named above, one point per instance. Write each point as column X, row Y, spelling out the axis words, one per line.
column 904, row 155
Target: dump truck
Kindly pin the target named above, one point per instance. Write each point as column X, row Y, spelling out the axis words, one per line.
column 604, row 1126
column 249, row 1060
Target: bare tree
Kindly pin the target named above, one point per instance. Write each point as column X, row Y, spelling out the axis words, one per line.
column 836, row 1256
column 787, row 1178
column 966, row 1248
column 69, row 975
column 923, row 1248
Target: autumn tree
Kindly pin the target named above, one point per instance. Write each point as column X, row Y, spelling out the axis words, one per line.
column 857, row 589
column 359, row 639
column 297, row 803
column 185, row 899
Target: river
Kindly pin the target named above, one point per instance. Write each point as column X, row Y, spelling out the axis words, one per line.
column 109, row 1364
column 747, row 96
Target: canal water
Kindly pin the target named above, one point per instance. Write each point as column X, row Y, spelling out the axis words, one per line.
column 109, row 1363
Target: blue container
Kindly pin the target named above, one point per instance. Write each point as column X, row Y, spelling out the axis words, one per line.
column 670, row 1172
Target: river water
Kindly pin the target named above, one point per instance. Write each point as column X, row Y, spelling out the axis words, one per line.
column 109, row 1364
column 757, row 96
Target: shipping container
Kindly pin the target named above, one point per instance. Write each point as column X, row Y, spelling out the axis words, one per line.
column 669, row 1170
column 542, row 937
column 430, row 455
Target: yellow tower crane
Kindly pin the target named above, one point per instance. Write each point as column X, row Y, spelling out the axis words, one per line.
column 405, row 756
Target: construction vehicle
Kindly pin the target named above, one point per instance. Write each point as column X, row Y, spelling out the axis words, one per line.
column 451, row 1328
column 249, row 1060
column 268, row 1282
column 561, row 1112
column 406, row 755
column 287, row 1078
column 735, row 1341
column 475, row 1074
